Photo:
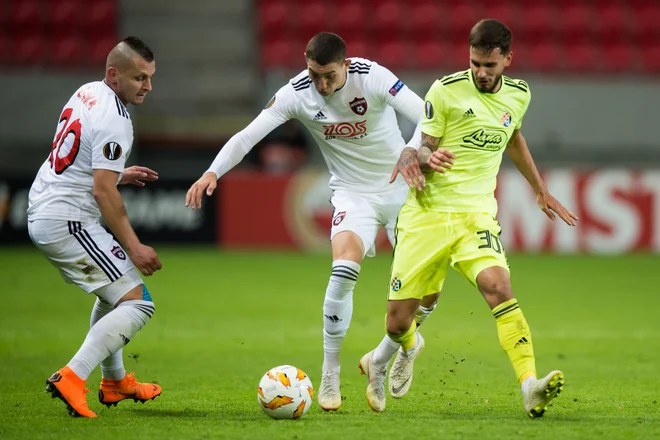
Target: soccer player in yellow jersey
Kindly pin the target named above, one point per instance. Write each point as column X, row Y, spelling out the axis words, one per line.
column 476, row 115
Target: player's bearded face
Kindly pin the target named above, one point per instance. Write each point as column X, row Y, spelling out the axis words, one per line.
column 135, row 82
column 329, row 77
column 487, row 68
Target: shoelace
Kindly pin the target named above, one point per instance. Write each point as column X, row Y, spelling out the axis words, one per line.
column 85, row 390
column 131, row 380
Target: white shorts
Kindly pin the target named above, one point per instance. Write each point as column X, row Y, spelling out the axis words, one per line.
column 364, row 213
column 87, row 256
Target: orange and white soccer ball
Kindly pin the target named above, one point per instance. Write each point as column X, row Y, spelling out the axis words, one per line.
column 285, row 392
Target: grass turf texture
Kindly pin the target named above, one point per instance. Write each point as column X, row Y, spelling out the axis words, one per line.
column 223, row 319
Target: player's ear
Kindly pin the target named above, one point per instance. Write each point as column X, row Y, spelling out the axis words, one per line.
column 508, row 59
column 347, row 63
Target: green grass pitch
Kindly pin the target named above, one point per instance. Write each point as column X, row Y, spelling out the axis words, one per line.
column 223, row 319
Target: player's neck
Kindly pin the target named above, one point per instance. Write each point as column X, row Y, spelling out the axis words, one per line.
column 115, row 90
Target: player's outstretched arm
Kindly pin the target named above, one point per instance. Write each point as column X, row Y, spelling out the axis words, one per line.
column 137, row 175
column 520, row 155
column 432, row 157
column 112, row 209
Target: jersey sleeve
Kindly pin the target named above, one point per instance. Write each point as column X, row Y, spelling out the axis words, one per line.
column 528, row 97
column 434, row 119
column 110, row 145
column 280, row 108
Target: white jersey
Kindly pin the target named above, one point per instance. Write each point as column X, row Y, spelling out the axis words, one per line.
column 94, row 131
column 355, row 127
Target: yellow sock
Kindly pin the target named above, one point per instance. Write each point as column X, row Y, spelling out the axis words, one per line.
column 515, row 338
column 407, row 339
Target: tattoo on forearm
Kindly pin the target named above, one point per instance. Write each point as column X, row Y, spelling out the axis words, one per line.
column 430, row 142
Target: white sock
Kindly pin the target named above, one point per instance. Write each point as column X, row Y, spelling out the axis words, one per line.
column 109, row 334
column 385, row 351
column 526, row 383
column 112, row 367
column 338, row 310
column 423, row 313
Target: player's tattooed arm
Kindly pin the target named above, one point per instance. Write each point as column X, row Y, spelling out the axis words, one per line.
column 409, row 168
column 431, row 157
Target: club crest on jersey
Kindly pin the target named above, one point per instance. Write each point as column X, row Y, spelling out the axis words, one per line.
column 118, row 252
column 112, row 151
column 506, row 119
column 359, row 106
column 338, row 218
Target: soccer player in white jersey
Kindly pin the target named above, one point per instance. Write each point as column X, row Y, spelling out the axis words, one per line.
column 348, row 105
column 74, row 187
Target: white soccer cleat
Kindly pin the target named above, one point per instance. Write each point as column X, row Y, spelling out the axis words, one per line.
column 401, row 372
column 376, row 389
column 540, row 392
column 329, row 395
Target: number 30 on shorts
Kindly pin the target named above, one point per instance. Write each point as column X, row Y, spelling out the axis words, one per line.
column 489, row 240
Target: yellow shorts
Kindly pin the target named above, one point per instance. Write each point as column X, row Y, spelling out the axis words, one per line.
column 428, row 242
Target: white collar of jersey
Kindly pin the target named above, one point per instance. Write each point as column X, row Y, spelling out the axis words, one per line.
column 114, row 93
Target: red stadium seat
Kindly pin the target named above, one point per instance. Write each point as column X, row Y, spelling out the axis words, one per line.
column 425, row 16
column 357, row 46
column 646, row 22
column 460, row 19
column 27, row 49
column 539, row 56
column 619, row 58
column 577, row 22
column 274, row 18
column 393, row 54
column 537, row 22
column 388, row 17
column 314, row 17
column 100, row 14
column 614, row 19
column 277, row 53
column 351, row 18
column 66, row 50
column 651, row 58
column 65, row 13
column 25, row 15
column 430, row 55
column 98, row 49
column 581, row 58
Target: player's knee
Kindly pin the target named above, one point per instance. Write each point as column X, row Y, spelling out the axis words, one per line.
column 397, row 327
column 496, row 288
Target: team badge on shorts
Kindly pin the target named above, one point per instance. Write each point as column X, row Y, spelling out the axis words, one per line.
column 395, row 284
column 118, row 252
column 338, row 218
column 359, row 106
column 506, row 119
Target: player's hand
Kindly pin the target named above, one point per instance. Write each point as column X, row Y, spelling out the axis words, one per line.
column 145, row 259
column 550, row 206
column 409, row 168
column 206, row 184
column 441, row 160
column 137, row 175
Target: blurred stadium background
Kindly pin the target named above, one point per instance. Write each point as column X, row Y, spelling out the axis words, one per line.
column 592, row 66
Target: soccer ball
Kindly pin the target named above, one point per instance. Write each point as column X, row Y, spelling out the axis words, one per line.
column 285, row 392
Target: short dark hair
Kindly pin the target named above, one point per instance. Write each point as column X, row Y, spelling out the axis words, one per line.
column 490, row 34
column 139, row 47
column 326, row 48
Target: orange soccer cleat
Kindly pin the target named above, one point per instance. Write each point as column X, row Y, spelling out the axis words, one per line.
column 114, row 391
column 71, row 390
